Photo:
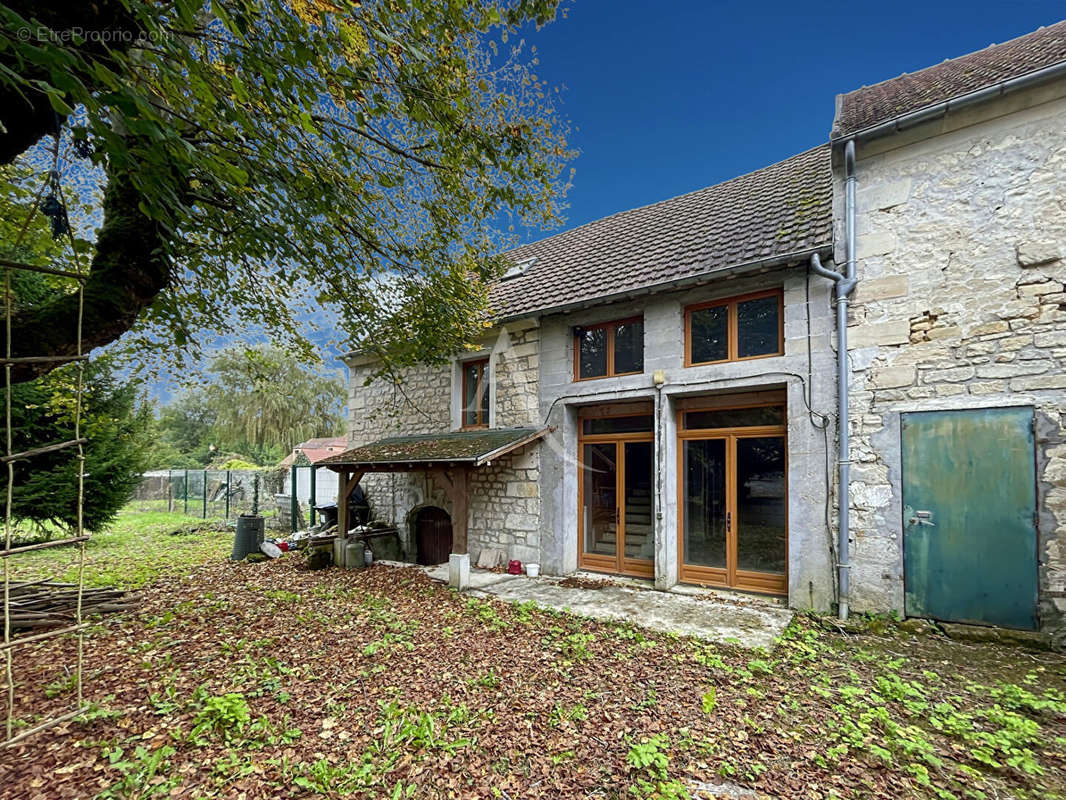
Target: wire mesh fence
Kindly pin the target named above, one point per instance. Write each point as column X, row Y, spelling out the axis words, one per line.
column 223, row 494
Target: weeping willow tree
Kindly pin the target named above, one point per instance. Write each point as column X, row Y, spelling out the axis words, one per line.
column 256, row 158
column 263, row 398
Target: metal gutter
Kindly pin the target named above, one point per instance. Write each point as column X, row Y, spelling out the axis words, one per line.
column 845, row 285
column 937, row 110
column 797, row 257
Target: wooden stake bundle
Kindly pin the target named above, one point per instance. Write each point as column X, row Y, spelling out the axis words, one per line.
column 40, row 604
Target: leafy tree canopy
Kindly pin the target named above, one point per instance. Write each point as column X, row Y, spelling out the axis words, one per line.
column 265, row 397
column 259, row 157
column 259, row 402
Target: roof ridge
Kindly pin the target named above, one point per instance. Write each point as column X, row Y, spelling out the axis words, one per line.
column 990, row 46
column 759, row 217
column 664, row 201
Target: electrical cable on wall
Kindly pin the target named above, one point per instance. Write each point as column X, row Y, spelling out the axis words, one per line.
column 820, row 421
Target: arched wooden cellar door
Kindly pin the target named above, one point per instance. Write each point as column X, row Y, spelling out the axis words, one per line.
column 433, row 536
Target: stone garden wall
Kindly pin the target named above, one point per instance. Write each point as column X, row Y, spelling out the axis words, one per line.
column 961, row 304
column 504, row 496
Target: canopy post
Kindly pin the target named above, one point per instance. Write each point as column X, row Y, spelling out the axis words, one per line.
column 460, row 510
column 347, row 482
column 342, row 501
column 456, row 486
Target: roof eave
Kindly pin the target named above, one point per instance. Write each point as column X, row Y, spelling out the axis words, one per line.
column 399, row 464
column 512, row 446
column 936, row 110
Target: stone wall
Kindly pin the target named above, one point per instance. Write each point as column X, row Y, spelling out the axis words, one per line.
column 961, row 304
column 504, row 496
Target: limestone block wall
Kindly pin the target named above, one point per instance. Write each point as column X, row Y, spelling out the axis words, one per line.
column 516, row 363
column 961, row 304
column 504, row 496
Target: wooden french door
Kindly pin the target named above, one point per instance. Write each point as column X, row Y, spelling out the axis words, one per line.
column 733, row 498
column 616, row 500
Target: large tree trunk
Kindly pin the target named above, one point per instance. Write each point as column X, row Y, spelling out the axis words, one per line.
column 130, row 266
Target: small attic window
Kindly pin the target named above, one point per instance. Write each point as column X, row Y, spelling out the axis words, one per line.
column 518, row 268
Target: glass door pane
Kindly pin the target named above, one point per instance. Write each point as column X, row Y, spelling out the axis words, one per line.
column 705, row 502
column 599, row 498
column 761, row 534
column 639, row 503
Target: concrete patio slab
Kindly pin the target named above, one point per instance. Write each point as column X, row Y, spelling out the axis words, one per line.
column 479, row 578
column 718, row 616
column 749, row 621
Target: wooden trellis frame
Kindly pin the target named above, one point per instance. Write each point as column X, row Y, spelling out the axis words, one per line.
column 10, row 457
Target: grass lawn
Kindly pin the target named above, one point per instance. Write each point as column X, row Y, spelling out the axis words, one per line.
column 135, row 550
column 272, row 681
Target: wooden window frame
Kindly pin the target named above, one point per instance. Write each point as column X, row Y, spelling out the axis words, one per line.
column 611, row 327
column 483, row 364
column 732, row 327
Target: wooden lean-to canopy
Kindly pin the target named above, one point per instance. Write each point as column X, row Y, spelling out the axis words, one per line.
column 449, row 457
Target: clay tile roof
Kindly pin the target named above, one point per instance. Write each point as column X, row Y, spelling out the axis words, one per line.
column 317, row 449
column 882, row 102
column 777, row 211
column 471, row 448
column 324, row 441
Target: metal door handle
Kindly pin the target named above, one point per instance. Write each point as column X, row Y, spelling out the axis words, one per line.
column 922, row 518
column 729, row 522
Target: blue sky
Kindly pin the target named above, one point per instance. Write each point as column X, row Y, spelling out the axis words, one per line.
column 669, row 97
column 673, row 96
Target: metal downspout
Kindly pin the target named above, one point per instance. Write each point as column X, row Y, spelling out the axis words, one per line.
column 845, row 284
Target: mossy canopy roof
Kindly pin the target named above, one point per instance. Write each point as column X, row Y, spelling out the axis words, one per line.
column 459, row 448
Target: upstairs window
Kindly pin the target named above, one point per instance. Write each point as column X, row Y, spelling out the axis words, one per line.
column 476, row 394
column 735, row 329
column 609, row 349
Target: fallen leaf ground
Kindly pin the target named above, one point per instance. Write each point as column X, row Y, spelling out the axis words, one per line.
column 273, row 681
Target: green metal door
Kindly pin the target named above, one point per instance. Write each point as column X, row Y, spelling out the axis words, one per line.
column 969, row 504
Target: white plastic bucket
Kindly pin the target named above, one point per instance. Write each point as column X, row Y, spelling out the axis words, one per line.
column 532, row 570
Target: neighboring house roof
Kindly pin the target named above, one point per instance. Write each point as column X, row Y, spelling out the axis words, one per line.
column 461, row 448
column 780, row 212
column 316, row 449
column 324, row 441
column 883, row 102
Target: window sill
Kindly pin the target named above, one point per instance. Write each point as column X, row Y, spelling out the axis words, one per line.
column 604, row 377
column 732, row 360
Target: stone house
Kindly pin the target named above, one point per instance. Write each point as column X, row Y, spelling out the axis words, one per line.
column 664, row 393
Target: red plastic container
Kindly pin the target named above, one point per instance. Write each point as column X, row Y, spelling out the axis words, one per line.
column 514, row 567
